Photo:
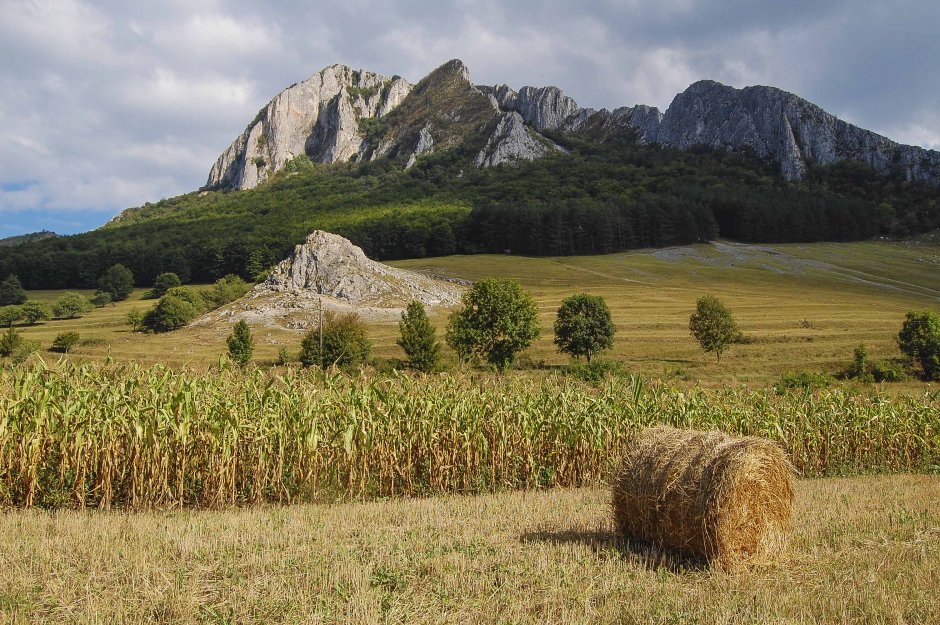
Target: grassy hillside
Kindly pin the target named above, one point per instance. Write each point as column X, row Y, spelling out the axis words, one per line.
column 800, row 307
column 865, row 550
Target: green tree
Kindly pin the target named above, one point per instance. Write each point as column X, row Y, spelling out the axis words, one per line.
column 226, row 289
column 70, row 305
column 164, row 282
column 241, row 344
column 258, row 263
column 10, row 315
column 64, row 342
column 34, row 312
column 118, row 281
column 498, row 319
column 101, row 299
column 418, row 338
column 11, row 291
column 919, row 340
column 10, row 341
column 583, row 326
column 344, row 342
column 713, row 325
column 172, row 312
column 135, row 319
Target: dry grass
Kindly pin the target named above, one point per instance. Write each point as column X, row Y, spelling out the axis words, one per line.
column 709, row 495
column 865, row 550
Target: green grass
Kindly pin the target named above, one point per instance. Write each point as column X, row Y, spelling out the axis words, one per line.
column 797, row 313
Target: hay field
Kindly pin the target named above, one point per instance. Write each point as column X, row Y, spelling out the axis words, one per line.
column 865, row 550
column 800, row 306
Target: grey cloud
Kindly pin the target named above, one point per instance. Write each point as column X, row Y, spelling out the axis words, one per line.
column 109, row 104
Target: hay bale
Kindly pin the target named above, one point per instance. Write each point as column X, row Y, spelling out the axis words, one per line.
column 709, row 495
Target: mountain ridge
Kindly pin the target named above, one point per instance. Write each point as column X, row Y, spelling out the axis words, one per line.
column 341, row 114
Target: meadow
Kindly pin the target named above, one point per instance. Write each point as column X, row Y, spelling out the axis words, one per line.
column 799, row 306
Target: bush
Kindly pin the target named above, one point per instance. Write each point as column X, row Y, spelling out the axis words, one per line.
column 64, row 342
column 164, row 282
column 888, row 371
column 12, row 292
column 919, row 340
column 70, row 305
column 225, row 290
column 10, row 315
column 595, row 371
column 498, row 319
column 118, row 281
column 135, row 319
column 170, row 313
column 23, row 351
column 418, row 338
column 583, row 326
column 241, row 344
column 34, row 312
column 283, row 355
column 101, row 299
column 345, row 344
column 197, row 300
column 10, row 341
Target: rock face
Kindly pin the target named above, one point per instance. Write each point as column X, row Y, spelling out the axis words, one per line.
column 329, row 265
column 786, row 129
column 511, row 141
column 342, row 114
column 318, row 117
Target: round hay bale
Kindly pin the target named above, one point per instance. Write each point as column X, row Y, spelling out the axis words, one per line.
column 709, row 495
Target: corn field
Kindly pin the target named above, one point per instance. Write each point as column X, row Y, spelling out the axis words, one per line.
column 125, row 435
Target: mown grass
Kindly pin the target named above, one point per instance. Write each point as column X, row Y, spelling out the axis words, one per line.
column 77, row 435
column 864, row 551
column 801, row 307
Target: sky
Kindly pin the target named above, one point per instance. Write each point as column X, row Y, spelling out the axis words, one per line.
column 107, row 104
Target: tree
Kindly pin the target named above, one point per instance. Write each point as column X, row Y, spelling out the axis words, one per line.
column 64, row 342
column 118, row 281
column 344, row 342
column 712, row 325
column 34, row 312
column 101, row 299
column 10, row 341
column 419, row 338
column 135, row 319
column 583, row 326
column 70, row 305
column 10, row 315
column 11, row 291
column 919, row 340
column 164, row 282
column 226, row 289
column 498, row 319
column 241, row 344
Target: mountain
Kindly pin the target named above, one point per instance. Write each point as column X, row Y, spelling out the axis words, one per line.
column 341, row 114
column 20, row 239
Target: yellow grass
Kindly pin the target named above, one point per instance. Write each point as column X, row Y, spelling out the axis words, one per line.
column 798, row 313
column 865, row 550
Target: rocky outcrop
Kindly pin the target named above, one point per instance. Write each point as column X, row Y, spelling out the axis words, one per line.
column 329, row 265
column 319, row 117
column 425, row 145
column 511, row 141
column 786, row 129
column 543, row 108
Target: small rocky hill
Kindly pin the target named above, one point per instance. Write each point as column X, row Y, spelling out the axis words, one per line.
column 330, row 268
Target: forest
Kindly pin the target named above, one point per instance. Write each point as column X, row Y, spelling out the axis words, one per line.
column 594, row 199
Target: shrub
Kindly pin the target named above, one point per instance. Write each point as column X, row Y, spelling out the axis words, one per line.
column 418, row 338
column 888, row 371
column 23, row 351
column 64, row 342
column 135, row 319
column 283, row 355
column 197, row 300
column 919, row 340
column 164, row 282
column 595, row 371
column 808, row 380
column 10, row 341
column 34, row 312
column 225, row 290
column 11, row 291
column 118, row 281
column 70, row 305
column 712, row 325
column 498, row 319
column 583, row 326
column 241, row 344
column 170, row 313
column 101, row 299
column 345, row 344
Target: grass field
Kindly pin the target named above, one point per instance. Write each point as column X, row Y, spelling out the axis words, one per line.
column 865, row 550
column 800, row 307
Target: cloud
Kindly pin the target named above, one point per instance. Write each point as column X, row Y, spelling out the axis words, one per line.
column 107, row 104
